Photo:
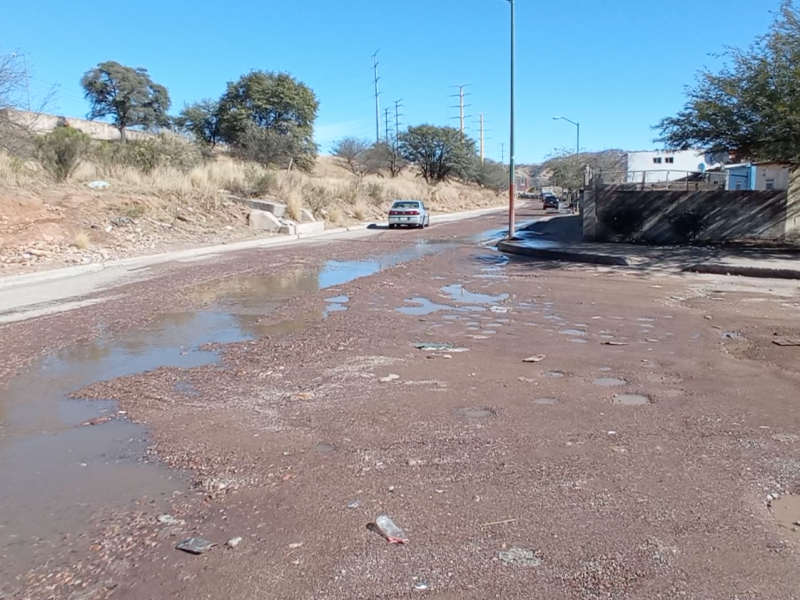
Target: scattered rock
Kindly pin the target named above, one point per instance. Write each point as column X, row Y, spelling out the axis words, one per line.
column 389, row 378
column 534, row 359
column 296, row 546
column 170, row 520
column 233, row 542
column 388, row 529
column 195, row 545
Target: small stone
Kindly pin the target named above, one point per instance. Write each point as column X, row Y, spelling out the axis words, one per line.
column 295, row 545
column 389, row 378
column 391, row 489
column 534, row 359
column 233, row 542
column 421, row 586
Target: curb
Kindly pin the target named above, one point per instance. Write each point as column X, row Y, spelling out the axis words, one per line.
column 742, row 271
column 152, row 259
column 563, row 255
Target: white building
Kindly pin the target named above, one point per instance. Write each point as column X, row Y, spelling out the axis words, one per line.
column 662, row 165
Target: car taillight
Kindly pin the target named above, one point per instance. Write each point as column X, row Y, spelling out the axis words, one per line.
column 393, row 212
column 414, row 212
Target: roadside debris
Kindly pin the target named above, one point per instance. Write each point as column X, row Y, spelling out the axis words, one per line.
column 195, row 545
column 170, row 520
column 614, row 343
column 98, row 185
column 421, row 586
column 354, row 504
column 786, row 342
column 388, row 529
column 389, row 378
column 534, row 359
column 233, row 542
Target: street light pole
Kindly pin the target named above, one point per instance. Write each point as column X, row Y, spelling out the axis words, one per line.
column 578, row 125
column 512, row 194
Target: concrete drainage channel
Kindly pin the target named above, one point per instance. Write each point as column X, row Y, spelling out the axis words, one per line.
column 77, row 469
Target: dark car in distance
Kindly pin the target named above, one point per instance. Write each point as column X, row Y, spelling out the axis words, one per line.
column 549, row 202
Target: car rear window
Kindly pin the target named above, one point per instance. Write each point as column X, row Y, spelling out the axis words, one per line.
column 405, row 204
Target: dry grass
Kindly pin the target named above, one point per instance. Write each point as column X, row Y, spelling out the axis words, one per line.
column 331, row 191
column 81, row 240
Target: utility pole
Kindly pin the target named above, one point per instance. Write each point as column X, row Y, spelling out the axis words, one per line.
column 377, row 99
column 386, row 119
column 482, row 137
column 512, row 193
column 461, row 104
column 397, row 116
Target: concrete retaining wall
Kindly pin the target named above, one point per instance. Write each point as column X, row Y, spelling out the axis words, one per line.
column 618, row 213
column 42, row 123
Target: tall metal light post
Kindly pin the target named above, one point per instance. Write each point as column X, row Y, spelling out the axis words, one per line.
column 578, row 125
column 512, row 194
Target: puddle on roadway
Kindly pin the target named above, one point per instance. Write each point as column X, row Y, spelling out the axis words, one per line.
column 335, row 304
column 554, row 374
column 423, row 307
column 476, row 413
column 609, row 382
column 56, row 473
column 458, row 293
column 325, row 448
column 578, row 341
column 786, row 511
column 605, row 369
column 631, row 400
column 573, row 332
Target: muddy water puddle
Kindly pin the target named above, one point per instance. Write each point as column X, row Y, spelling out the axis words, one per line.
column 786, row 511
column 609, row 382
column 631, row 400
column 56, row 472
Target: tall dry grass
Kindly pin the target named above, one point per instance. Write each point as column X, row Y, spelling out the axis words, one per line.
column 331, row 192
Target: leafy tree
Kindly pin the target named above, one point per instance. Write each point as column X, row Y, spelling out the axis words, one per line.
column 491, row 175
column 385, row 157
column 440, row 153
column 127, row 95
column 61, row 151
column 751, row 107
column 352, row 151
column 269, row 117
column 201, row 120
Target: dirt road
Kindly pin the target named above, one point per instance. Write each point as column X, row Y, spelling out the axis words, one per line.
column 648, row 448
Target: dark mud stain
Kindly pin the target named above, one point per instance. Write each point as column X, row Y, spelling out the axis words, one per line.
column 476, row 412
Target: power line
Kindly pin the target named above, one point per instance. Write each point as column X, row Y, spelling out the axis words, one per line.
column 461, row 105
column 377, row 99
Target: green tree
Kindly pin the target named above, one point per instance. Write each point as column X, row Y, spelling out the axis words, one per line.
column 201, row 120
column 269, row 117
column 440, row 153
column 751, row 107
column 491, row 175
column 127, row 95
column 61, row 151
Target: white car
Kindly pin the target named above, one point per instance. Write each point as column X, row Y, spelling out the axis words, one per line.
column 408, row 213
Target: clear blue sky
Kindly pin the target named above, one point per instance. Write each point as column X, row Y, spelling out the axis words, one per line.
column 616, row 66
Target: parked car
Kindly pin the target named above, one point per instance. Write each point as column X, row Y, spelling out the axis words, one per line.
column 408, row 213
column 550, row 202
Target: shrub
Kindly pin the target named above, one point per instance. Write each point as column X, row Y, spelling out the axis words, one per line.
column 61, row 151
column 375, row 192
column 163, row 150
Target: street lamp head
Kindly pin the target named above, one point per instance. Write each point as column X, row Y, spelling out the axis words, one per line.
column 557, row 118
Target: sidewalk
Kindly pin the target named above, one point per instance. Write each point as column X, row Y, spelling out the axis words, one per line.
column 560, row 239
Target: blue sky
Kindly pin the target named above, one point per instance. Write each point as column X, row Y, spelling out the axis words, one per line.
column 617, row 66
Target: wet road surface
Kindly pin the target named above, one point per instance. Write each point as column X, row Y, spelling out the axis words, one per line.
column 278, row 396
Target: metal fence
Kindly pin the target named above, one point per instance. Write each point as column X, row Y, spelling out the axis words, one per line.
column 667, row 179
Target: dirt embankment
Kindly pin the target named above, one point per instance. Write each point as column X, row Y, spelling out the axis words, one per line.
column 45, row 225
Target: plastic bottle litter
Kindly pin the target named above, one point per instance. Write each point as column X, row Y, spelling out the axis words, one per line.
column 386, row 527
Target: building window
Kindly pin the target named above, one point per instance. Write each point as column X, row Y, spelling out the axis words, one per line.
column 670, row 160
column 657, row 160
column 770, row 184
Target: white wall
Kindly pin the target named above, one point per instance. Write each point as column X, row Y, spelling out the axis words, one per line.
column 661, row 165
column 779, row 174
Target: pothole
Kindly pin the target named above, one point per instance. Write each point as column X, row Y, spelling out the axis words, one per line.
column 631, row 400
column 325, row 448
column 545, row 401
column 476, row 412
column 609, row 382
